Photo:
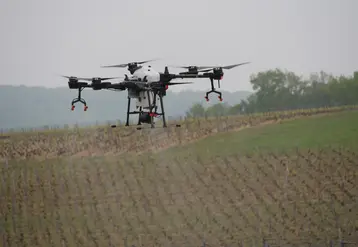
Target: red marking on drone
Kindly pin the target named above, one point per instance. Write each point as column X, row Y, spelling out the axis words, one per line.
column 72, row 108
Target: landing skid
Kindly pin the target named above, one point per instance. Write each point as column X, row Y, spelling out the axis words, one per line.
column 147, row 117
column 141, row 128
column 213, row 90
column 148, row 127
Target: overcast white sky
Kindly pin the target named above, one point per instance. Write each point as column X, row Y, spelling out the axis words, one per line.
column 42, row 38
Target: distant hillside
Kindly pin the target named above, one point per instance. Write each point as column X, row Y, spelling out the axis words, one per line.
column 27, row 107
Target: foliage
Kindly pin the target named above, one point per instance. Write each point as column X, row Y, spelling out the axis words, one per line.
column 215, row 110
column 279, row 90
column 197, row 110
column 284, row 90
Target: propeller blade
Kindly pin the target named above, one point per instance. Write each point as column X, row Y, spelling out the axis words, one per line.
column 191, row 66
column 109, row 78
column 147, row 61
column 115, row 66
column 84, row 79
column 205, row 70
column 77, row 78
column 234, row 65
column 90, row 79
column 68, row 77
column 208, row 68
column 204, row 67
column 123, row 65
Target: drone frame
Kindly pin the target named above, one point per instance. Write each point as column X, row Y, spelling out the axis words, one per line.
column 159, row 89
column 151, row 113
column 142, row 118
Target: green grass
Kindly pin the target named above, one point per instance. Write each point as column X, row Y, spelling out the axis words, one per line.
column 336, row 130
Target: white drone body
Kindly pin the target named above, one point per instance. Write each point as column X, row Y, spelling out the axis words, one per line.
column 143, row 74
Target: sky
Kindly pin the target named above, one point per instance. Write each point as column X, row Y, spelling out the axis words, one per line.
column 43, row 38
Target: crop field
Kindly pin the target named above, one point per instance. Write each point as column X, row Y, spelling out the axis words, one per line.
column 286, row 179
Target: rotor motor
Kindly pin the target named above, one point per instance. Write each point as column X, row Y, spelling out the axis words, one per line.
column 192, row 70
column 96, row 84
column 73, row 83
column 132, row 67
column 218, row 73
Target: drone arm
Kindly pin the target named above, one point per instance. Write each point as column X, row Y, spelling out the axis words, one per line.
column 117, row 86
column 77, row 85
column 183, row 76
column 125, row 85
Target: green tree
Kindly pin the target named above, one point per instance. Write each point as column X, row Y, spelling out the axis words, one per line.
column 219, row 109
column 235, row 109
column 197, row 110
column 284, row 90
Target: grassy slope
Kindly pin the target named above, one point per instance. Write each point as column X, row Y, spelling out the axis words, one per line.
column 180, row 197
column 333, row 130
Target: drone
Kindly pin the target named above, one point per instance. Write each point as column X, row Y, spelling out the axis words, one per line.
column 147, row 86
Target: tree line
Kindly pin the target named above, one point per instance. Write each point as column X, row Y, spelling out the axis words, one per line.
column 279, row 90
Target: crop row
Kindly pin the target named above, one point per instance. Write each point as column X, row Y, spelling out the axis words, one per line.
column 310, row 196
column 44, row 145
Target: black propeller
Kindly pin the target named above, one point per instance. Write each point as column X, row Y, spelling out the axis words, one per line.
column 196, row 69
column 100, row 78
column 73, row 77
column 192, row 67
column 123, row 65
column 89, row 79
column 222, row 67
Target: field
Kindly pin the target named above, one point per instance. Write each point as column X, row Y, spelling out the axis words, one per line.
column 286, row 178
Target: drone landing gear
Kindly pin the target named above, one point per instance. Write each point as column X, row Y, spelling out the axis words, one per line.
column 213, row 90
column 79, row 99
column 148, row 116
